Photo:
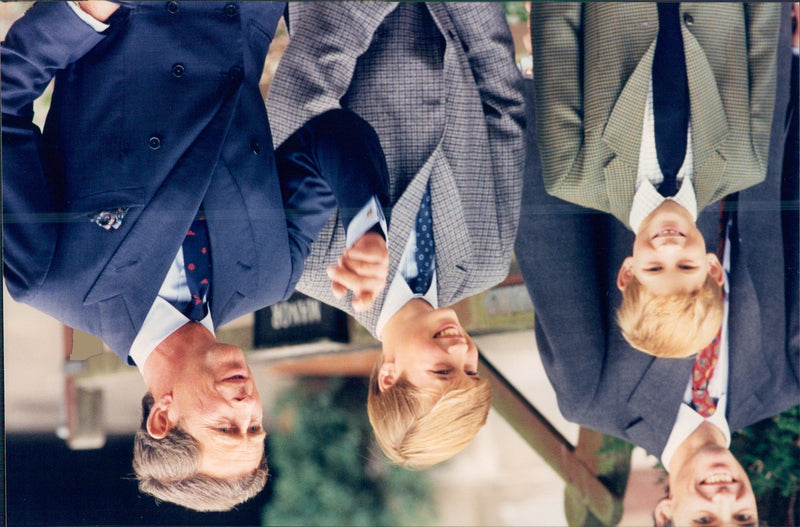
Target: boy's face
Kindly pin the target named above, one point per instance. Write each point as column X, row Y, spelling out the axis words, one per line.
column 710, row 488
column 433, row 350
column 669, row 254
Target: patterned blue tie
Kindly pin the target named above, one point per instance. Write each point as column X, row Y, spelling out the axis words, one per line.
column 425, row 252
column 197, row 261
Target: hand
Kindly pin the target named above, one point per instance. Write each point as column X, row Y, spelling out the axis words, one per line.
column 363, row 269
column 99, row 9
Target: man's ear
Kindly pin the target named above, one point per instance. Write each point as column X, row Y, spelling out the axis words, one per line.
column 158, row 423
column 625, row 273
column 386, row 376
column 715, row 269
column 663, row 511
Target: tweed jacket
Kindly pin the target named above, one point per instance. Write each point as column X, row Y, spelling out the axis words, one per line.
column 439, row 84
column 592, row 65
column 569, row 257
column 156, row 115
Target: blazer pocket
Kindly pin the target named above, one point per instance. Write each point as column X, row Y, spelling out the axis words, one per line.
column 107, row 200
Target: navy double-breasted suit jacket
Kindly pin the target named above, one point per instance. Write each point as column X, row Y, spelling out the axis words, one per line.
column 158, row 114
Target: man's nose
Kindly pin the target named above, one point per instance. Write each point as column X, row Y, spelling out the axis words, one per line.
column 457, row 347
column 239, row 393
column 669, row 243
column 723, row 493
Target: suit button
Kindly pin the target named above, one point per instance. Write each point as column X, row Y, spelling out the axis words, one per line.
column 689, row 19
column 177, row 70
column 172, row 7
column 236, row 73
column 231, row 10
column 154, row 142
column 255, row 147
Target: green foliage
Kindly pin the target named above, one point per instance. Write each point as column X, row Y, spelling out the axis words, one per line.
column 327, row 469
column 770, row 452
column 515, row 12
column 614, row 464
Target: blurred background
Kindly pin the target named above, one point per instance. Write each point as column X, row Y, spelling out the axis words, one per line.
column 71, row 409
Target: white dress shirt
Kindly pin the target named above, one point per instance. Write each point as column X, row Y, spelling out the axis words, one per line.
column 646, row 198
column 399, row 293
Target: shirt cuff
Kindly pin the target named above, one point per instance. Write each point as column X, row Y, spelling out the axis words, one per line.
column 370, row 215
column 89, row 19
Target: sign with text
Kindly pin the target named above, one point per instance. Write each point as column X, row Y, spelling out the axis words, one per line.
column 298, row 320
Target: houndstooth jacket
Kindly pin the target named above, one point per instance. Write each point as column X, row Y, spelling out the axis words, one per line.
column 592, row 66
column 439, row 84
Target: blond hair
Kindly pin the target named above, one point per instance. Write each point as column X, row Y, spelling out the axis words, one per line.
column 418, row 428
column 167, row 469
column 670, row 326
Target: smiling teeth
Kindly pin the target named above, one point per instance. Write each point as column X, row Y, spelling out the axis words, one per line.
column 669, row 232
column 719, row 478
column 450, row 332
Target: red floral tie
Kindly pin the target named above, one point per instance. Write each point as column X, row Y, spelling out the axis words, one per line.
column 707, row 359
column 701, row 374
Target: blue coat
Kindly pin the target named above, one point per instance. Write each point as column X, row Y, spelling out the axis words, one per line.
column 158, row 114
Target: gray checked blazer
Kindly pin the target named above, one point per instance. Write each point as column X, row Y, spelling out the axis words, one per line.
column 439, row 84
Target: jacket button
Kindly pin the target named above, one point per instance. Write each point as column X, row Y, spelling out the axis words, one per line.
column 236, row 73
column 688, row 19
column 177, row 70
column 172, row 7
column 154, row 142
column 255, row 147
column 231, row 10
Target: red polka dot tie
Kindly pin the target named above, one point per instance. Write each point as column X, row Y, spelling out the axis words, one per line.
column 197, row 262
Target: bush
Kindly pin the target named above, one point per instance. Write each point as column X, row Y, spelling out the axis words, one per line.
column 328, row 471
column 770, row 453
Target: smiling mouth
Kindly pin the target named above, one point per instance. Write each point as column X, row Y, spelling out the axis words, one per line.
column 718, row 478
column 449, row 331
column 667, row 232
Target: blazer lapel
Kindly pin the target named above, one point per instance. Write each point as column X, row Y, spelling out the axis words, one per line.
column 708, row 121
column 623, row 135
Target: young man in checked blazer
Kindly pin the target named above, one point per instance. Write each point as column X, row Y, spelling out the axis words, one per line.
column 600, row 70
column 568, row 257
column 439, row 84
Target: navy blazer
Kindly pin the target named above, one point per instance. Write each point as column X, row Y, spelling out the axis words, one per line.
column 569, row 257
column 158, row 114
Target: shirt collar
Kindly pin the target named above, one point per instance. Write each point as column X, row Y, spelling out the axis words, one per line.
column 688, row 421
column 162, row 321
column 398, row 295
column 647, row 199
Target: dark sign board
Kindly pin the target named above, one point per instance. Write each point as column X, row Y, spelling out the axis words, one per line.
column 298, row 320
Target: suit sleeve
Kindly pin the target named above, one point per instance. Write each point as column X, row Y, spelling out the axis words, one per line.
column 486, row 39
column 317, row 68
column 48, row 38
column 559, row 259
column 334, row 161
column 763, row 21
column 557, row 47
